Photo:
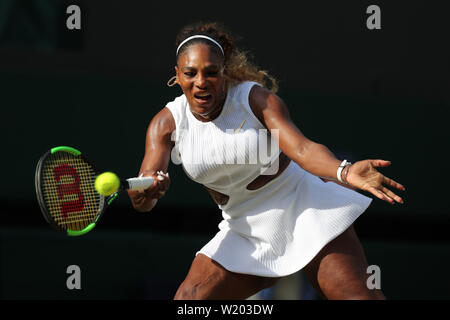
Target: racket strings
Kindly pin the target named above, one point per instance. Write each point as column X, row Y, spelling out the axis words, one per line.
column 68, row 189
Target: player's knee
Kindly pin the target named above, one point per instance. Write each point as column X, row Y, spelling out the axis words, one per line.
column 364, row 296
column 352, row 291
column 194, row 290
column 372, row 295
column 186, row 292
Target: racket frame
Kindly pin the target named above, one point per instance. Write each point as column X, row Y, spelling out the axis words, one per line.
column 104, row 202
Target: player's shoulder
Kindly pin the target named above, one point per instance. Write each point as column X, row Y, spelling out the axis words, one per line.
column 241, row 90
column 163, row 122
column 258, row 93
column 178, row 105
column 252, row 92
column 177, row 108
column 266, row 104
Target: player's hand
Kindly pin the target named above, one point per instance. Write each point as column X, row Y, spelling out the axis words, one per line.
column 160, row 185
column 145, row 200
column 364, row 175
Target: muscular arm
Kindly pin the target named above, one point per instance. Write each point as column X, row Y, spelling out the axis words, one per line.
column 315, row 157
column 158, row 146
column 311, row 156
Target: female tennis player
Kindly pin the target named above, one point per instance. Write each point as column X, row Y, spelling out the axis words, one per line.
column 273, row 224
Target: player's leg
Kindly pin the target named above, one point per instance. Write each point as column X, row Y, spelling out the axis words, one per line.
column 339, row 270
column 207, row 279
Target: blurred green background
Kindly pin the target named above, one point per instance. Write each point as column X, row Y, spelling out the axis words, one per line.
column 364, row 94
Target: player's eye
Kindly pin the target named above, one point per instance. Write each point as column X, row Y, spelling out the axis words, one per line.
column 189, row 74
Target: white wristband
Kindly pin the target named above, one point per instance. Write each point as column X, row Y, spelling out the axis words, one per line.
column 341, row 167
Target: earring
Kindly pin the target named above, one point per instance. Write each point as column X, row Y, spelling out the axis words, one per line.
column 172, row 81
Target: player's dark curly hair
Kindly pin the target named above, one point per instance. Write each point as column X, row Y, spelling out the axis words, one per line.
column 238, row 67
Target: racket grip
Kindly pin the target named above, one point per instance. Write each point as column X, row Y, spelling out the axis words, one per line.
column 140, row 183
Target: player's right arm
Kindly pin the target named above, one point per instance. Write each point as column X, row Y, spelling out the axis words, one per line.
column 158, row 147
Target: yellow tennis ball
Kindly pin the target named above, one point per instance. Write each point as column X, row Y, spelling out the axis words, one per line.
column 107, row 183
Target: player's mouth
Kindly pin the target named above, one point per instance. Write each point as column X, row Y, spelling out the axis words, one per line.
column 203, row 98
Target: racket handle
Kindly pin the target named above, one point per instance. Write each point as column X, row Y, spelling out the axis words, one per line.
column 140, row 183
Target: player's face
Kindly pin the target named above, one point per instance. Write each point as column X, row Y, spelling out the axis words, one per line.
column 200, row 75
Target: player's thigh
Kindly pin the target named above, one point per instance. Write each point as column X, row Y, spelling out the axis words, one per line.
column 207, row 279
column 339, row 270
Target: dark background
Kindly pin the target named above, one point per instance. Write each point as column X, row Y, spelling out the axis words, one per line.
column 363, row 93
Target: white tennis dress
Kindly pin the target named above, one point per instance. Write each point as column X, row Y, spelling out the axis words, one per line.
column 272, row 231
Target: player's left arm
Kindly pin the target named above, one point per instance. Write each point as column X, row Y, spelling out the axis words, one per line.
column 273, row 114
column 315, row 157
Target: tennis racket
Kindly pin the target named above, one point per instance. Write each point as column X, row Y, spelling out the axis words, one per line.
column 65, row 190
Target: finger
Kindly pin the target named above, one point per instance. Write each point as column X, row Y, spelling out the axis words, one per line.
column 392, row 195
column 160, row 189
column 383, row 195
column 388, row 199
column 150, row 193
column 165, row 175
column 163, row 179
column 378, row 194
column 163, row 184
column 392, row 183
column 380, row 163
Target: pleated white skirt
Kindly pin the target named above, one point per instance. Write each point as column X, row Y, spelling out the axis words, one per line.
column 277, row 230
